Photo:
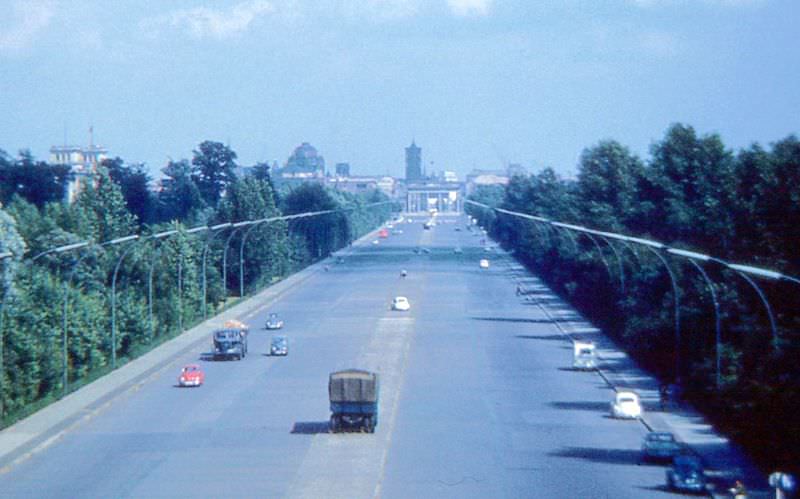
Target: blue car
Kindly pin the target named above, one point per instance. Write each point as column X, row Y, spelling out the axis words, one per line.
column 687, row 474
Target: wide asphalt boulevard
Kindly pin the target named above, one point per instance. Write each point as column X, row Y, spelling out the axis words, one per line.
column 477, row 397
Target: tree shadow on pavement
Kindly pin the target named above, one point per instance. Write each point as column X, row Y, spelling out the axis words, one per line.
column 513, row 319
column 547, row 337
column 581, row 406
column 310, row 427
column 600, row 455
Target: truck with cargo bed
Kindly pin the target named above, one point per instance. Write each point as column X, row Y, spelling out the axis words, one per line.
column 354, row 400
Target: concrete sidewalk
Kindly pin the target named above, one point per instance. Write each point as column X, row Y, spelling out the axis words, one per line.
column 724, row 461
column 41, row 429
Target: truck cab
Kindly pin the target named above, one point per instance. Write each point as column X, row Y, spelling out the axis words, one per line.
column 230, row 343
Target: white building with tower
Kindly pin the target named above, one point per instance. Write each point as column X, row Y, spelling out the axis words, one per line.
column 82, row 161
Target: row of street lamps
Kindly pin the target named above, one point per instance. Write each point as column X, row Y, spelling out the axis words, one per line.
column 212, row 230
column 657, row 248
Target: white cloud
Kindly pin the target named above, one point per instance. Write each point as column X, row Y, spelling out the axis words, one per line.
column 28, row 19
column 203, row 22
column 469, row 7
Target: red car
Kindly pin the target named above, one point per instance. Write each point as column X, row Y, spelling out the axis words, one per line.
column 191, row 375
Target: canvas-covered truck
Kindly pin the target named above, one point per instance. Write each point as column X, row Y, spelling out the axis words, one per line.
column 354, row 400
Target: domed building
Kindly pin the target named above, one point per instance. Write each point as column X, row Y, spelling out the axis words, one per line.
column 304, row 165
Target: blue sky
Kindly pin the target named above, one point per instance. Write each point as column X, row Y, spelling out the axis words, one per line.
column 475, row 82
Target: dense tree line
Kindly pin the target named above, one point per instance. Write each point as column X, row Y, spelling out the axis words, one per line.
column 165, row 281
column 692, row 193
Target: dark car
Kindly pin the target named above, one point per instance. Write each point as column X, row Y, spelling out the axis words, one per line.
column 273, row 322
column 279, row 345
column 660, row 446
column 687, row 474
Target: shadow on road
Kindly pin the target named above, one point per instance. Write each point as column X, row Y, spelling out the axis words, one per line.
column 599, row 455
column 548, row 337
column 513, row 319
column 311, row 427
column 581, row 406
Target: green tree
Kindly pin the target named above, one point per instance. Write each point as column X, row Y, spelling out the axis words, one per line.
column 322, row 233
column 607, row 185
column 213, row 170
column 688, row 187
column 133, row 181
column 36, row 181
column 179, row 197
column 266, row 249
column 105, row 209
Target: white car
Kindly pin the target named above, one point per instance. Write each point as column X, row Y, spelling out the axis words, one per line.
column 401, row 304
column 484, row 263
column 626, row 405
column 584, row 356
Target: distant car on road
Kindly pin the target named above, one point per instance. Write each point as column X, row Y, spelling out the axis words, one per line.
column 660, row 446
column 484, row 263
column 400, row 303
column 191, row 375
column 273, row 322
column 687, row 474
column 626, row 405
column 457, row 250
column 584, row 357
column 279, row 345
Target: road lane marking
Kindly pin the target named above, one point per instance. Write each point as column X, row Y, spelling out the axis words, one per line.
column 351, row 464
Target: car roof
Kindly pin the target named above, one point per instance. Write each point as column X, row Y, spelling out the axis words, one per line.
column 399, row 298
column 660, row 435
column 687, row 460
column 191, row 366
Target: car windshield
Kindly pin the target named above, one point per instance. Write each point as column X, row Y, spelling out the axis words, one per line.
column 627, row 400
column 586, row 351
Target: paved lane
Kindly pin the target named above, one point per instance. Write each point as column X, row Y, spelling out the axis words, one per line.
column 476, row 399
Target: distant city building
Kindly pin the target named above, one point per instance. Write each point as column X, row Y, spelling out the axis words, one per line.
column 83, row 163
column 485, row 177
column 342, row 169
column 304, row 165
column 447, row 176
column 359, row 184
column 413, row 163
column 434, row 195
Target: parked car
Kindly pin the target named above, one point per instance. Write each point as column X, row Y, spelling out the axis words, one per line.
column 191, row 375
column 626, row 405
column 401, row 304
column 279, row 345
column 273, row 322
column 484, row 263
column 660, row 446
column 687, row 474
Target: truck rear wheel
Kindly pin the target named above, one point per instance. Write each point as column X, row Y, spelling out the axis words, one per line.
column 334, row 424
